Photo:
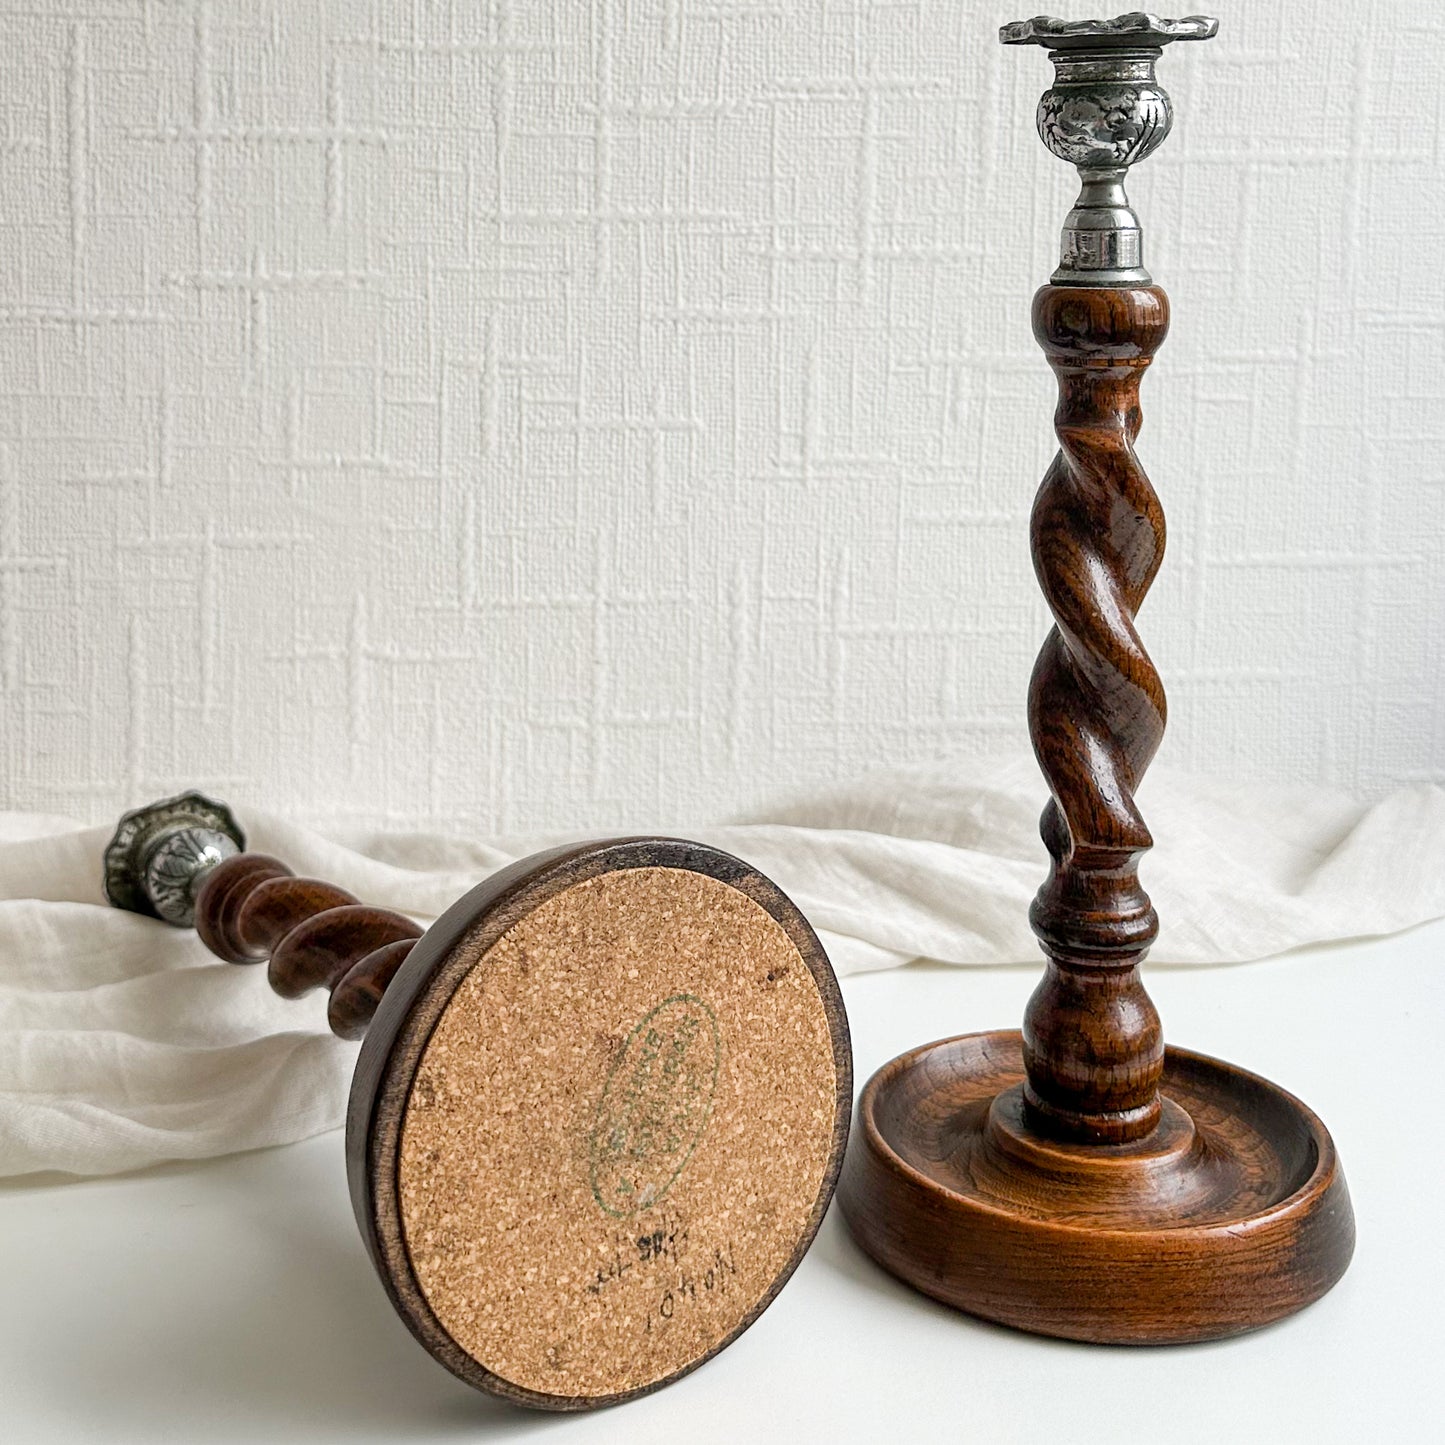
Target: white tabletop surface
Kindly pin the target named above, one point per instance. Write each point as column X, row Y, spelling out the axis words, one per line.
column 232, row 1300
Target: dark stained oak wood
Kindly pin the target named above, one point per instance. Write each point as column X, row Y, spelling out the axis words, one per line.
column 223, row 893
column 1092, row 1039
column 1231, row 1214
column 273, row 909
column 321, row 950
column 252, row 907
column 355, row 996
column 1079, row 1179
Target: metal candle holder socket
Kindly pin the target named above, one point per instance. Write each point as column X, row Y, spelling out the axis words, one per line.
column 1105, row 112
column 162, row 853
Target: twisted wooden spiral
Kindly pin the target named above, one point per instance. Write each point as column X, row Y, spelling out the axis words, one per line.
column 253, row 907
column 1093, row 1045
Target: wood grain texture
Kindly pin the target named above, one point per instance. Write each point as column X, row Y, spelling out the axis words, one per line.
column 1078, row 1179
column 252, row 907
column 1092, row 1039
column 1233, row 1213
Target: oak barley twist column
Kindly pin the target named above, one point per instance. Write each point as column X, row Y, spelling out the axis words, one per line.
column 1092, row 1041
column 562, row 1140
column 1079, row 1179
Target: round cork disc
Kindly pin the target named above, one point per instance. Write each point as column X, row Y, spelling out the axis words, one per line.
column 598, row 1118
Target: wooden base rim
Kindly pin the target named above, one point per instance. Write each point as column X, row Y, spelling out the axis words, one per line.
column 598, row 1118
column 1232, row 1214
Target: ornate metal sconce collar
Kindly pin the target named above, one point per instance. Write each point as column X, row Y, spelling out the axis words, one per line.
column 1104, row 112
column 161, row 854
column 1138, row 27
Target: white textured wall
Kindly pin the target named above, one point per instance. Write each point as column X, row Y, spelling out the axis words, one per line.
column 561, row 413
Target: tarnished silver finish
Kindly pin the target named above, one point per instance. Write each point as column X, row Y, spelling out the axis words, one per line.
column 161, row 854
column 1138, row 27
column 1105, row 112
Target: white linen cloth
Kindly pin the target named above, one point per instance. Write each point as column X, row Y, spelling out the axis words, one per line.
column 124, row 1043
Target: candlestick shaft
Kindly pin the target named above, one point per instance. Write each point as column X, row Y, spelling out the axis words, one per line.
column 1092, row 1040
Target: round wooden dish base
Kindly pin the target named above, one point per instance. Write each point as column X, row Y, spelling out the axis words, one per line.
column 1231, row 1214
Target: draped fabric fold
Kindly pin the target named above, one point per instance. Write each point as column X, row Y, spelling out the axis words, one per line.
column 124, row 1043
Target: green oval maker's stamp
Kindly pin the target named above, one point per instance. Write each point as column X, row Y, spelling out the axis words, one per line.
column 655, row 1106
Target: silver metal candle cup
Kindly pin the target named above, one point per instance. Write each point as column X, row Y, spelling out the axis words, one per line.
column 1105, row 112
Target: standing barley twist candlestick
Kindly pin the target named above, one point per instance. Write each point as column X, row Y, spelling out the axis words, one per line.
column 1079, row 1179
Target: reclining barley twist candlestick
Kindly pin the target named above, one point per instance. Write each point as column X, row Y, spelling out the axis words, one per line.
column 1079, row 1179
column 600, row 1105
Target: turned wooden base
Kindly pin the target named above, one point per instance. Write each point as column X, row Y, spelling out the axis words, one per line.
column 1231, row 1214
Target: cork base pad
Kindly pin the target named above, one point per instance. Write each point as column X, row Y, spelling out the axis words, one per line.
column 619, row 1131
